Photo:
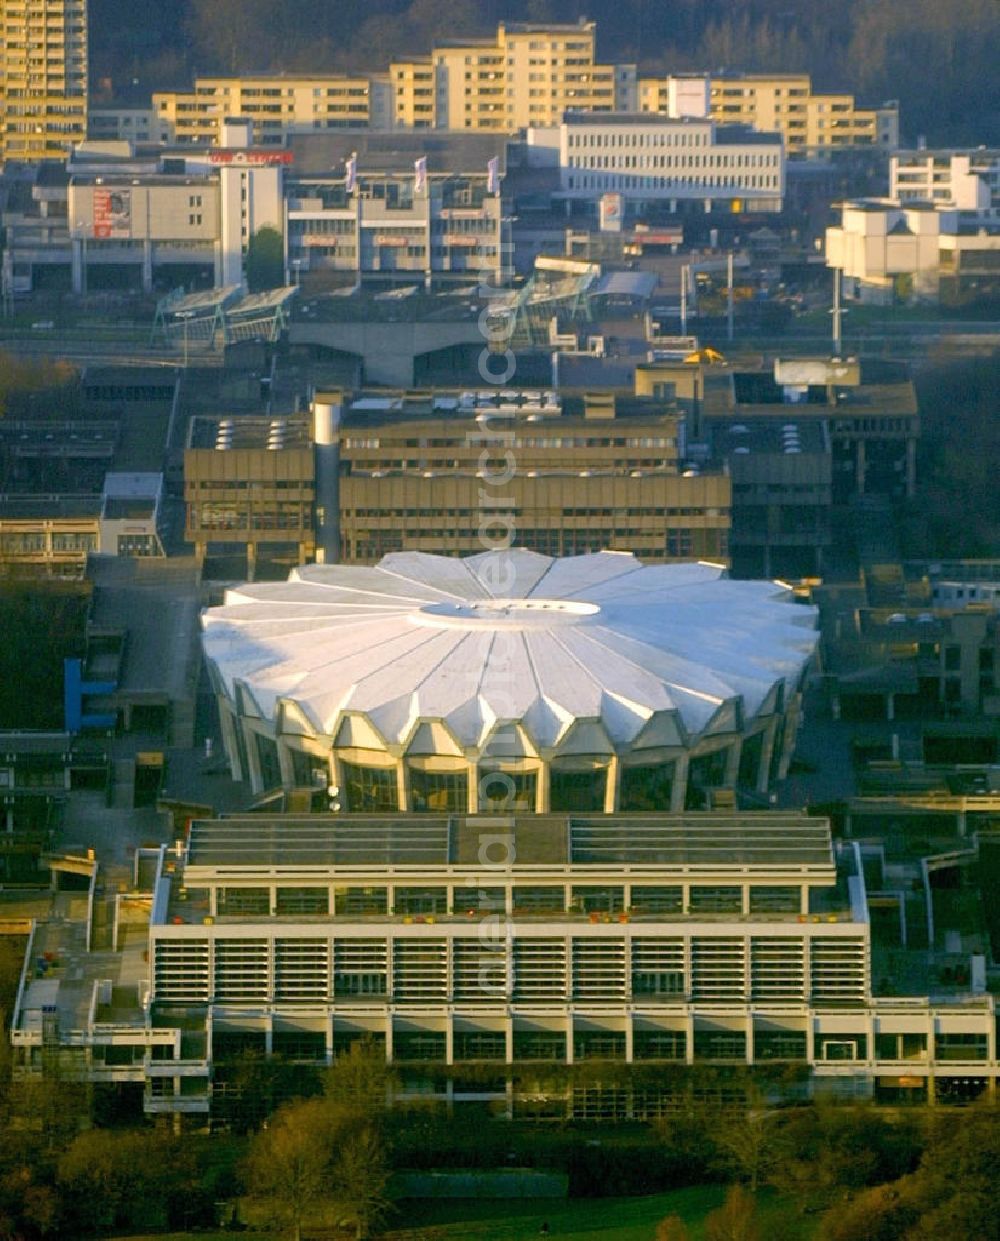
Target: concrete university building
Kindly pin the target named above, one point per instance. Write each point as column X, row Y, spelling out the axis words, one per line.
column 510, row 680
column 488, row 956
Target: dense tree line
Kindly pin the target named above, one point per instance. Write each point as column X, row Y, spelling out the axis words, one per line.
column 881, row 49
column 70, row 1165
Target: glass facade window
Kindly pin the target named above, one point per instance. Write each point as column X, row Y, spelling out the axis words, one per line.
column 843, row 1047
column 901, row 1046
column 764, row 900
column 708, row 771
column 659, row 1045
column 606, row 900
column 720, row 1045
column 244, row 902
column 779, row 1045
column 479, row 900
column 300, row 1045
column 539, row 1045
column 368, row 790
column 751, row 753
column 418, row 1045
column 716, row 900
column 421, row 901
column 480, row 1045
column 658, row 899
column 598, row 1045
column 646, row 788
column 359, row 902
column 539, row 900
column 580, row 791
column 961, row 1047
column 296, row 901
column 267, row 758
column 501, row 792
column 303, row 766
column 438, row 791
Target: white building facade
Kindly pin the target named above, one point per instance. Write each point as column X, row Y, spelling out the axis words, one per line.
column 681, row 163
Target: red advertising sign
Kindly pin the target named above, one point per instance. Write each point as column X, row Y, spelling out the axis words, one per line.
column 112, row 213
column 253, row 159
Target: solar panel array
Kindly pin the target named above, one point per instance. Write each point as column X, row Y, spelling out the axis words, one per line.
column 774, row 841
column 704, row 840
column 319, row 842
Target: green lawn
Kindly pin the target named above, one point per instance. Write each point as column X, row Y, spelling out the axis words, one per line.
column 579, row 1219
column 598, row 1219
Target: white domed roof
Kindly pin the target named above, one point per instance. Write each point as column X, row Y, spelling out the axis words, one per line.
column 585, row 654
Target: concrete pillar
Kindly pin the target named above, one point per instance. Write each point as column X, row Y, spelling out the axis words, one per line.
column 678, row 794
column 327, row 411
column 473, row 790
column 147, row 266
column 613, row 779
column 542, row 788
column 402, row 786
column 859, row 474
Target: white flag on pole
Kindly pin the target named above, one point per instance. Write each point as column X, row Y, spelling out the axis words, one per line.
column 493, row 175
column 420, row 175
column 351, row 179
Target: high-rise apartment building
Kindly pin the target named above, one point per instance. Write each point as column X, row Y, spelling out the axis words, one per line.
column 277, row 104
column 783, row 103
column 43, row 77
column 529, row 74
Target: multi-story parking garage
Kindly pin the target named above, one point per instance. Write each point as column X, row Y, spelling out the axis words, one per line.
column 510, row 681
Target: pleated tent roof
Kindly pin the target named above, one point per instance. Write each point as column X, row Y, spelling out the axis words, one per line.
column 583, row 654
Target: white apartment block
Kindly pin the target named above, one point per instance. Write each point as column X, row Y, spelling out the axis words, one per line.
column 703, row 939
column 810, row 123
column 968, row 180
column 692, row 163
